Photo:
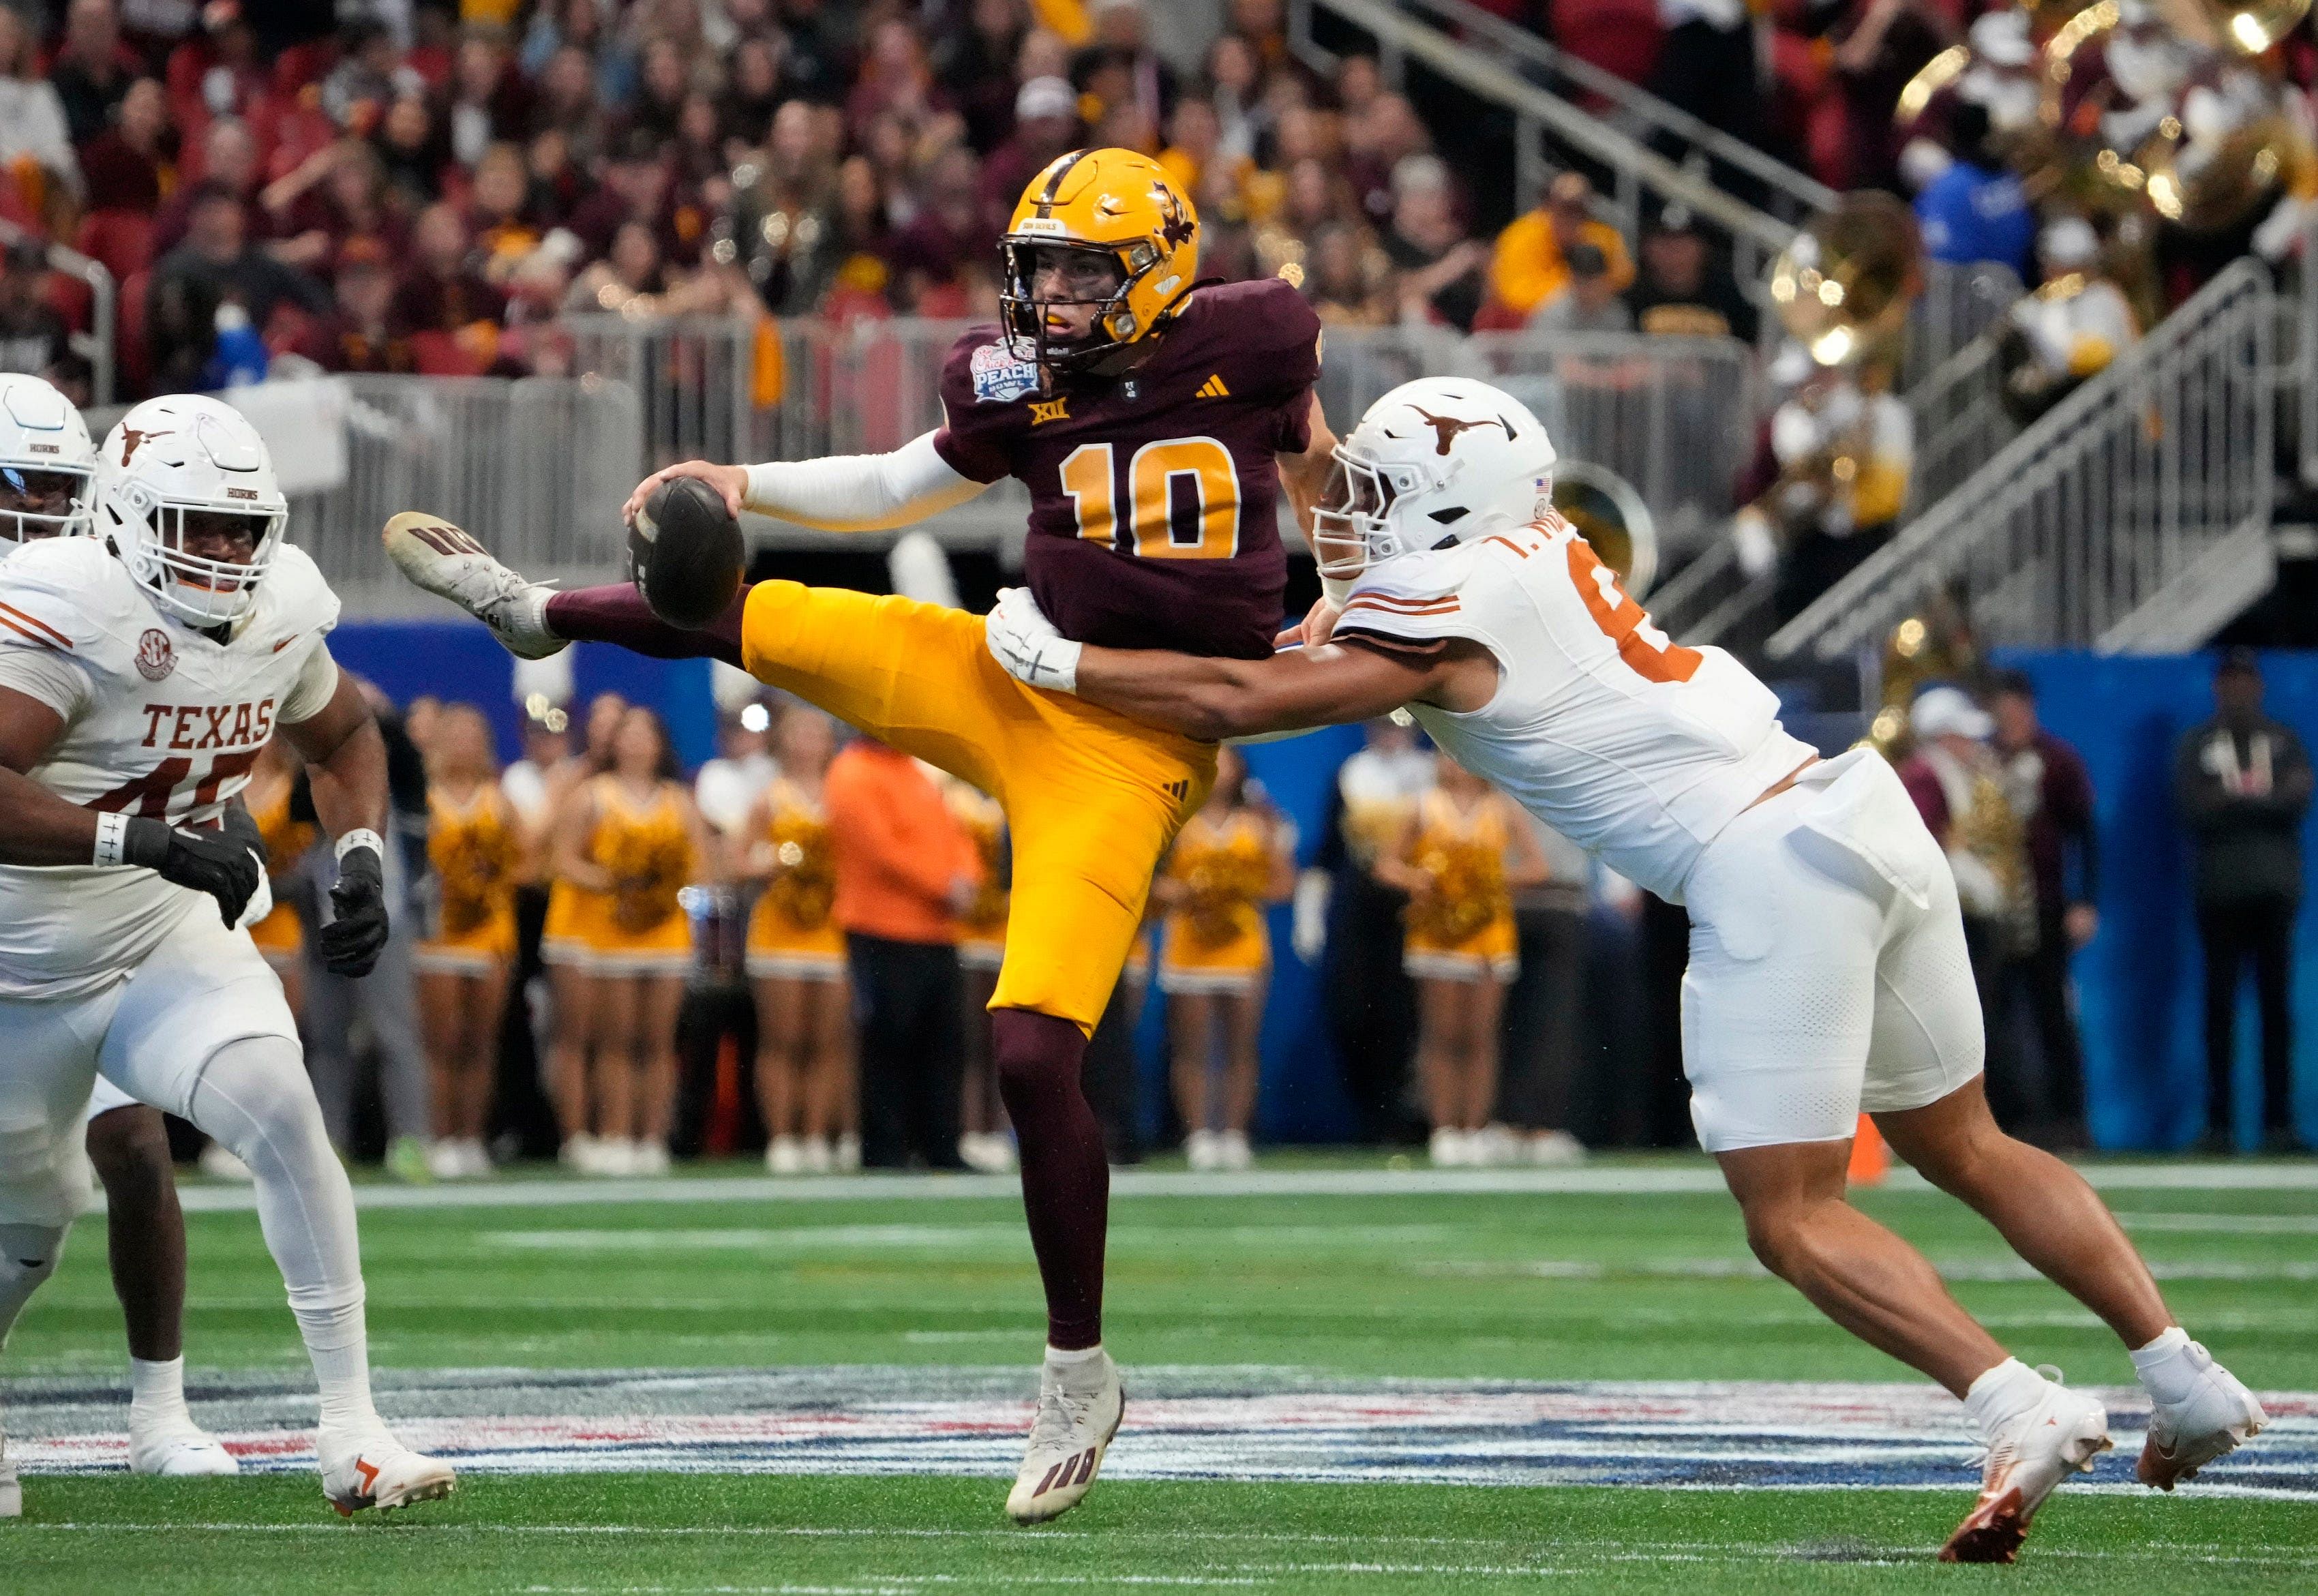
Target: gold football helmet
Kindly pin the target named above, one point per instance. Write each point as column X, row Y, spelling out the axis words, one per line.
column 1120, row 206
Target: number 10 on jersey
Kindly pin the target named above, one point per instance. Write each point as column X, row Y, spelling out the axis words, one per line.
column 1182, row 498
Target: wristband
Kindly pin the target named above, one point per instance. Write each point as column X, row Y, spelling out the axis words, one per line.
column 361, row 836
column 111, row 840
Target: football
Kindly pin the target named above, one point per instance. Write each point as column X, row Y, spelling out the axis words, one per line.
column 686, row 553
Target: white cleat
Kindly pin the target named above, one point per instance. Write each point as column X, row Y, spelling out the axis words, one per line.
column 2028, row 1457
column 1079, row 1405
column 2216, row 1416
column 451, row 564
column 371, row 1469
column 182, row 1451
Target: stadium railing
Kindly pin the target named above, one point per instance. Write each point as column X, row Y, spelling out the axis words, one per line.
column 1675, row 417
column 537, row 465
column 96, row 344
column 2133, row 516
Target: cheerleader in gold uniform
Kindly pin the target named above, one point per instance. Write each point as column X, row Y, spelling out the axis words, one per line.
column 797, row 958
column 574, row 925
column 279, row 935
column 634, row 838
column 1231, row 859
column 1463, row 854
column 982, row 1141
column 475, row 846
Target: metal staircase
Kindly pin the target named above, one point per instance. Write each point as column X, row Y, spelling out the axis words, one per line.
column 2133, row 516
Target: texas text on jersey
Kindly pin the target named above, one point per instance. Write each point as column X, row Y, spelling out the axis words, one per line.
column 1154, row 493
column 161, row 721
column 1632, row 746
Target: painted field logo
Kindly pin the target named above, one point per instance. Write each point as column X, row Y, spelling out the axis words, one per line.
column 155, row 657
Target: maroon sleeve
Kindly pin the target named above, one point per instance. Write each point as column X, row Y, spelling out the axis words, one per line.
column 982, row 390
column 1275, row 353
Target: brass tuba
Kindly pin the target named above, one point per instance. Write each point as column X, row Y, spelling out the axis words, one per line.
column 2250, row 27
column 1609, row 515
column 1844, row 286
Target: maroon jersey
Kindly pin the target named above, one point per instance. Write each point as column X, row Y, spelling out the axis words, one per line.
column 1153, row 494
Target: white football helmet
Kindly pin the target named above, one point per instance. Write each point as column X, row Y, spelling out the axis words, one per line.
column 1438, row 460
column 45, row 461
column 188, row 470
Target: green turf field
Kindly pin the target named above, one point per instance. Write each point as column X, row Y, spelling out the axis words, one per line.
column 1229, row 1298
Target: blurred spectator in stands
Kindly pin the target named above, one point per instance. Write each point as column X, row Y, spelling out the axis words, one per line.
column 1235, row 78
column 904, row 869
column 632, row 270
column 336, row 194
column 1878, row 47
column 1441, row 269
column 219, row 72
column 2242, row 781
column 217, row 254
column 635, row 188
column 1588, row 301
column 1708, row 65
column 660, row 88
column 227, row 159
column 744, row 767
column 489, row 100
column 129, row 163
column 499, row 218
column 1682, row 289
column 1345, row 278
column 567, row 103
column 1045, row 125
column 1976, row 211
column 950, row 235
column 975, row 63
column 369, row 76
column 360, row 335
column 410, row 143
column 34, row 337
column 93, row 68
column 1959, row 789
column 1263, row 23
column 442, row 290
column 1377, row 138
column 33, row 132
column 2052, row 792
column 1119, row 67
column 894, row 81
column 1530, row 261
column 2068, row 329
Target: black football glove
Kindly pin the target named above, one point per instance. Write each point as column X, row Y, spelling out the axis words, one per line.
column 351, row 943
column 238, row 825
column 214, row 862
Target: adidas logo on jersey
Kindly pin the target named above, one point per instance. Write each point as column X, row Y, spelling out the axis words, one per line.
column 1213, row 388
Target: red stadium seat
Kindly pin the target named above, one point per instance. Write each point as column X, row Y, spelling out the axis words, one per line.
column 69, row 297
column 121, row 239
column 441, row 354
column 132, row 355
column 1620, row 36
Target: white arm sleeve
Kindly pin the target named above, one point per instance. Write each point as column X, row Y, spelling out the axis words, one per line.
column 49, row 678
column 310, row 693
column 860, row 492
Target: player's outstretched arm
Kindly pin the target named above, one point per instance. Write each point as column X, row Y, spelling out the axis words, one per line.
column 841, row 493
column 346, row 759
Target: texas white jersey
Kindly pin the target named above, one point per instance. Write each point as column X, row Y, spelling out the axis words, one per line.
column 1635, row 748
column 161, row 720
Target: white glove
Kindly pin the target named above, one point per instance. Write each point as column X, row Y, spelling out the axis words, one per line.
column 1023, row 641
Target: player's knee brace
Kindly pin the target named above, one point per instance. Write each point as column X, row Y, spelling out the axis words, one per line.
column 28, row 1256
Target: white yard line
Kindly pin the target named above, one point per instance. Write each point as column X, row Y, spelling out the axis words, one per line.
column 1600, row 1180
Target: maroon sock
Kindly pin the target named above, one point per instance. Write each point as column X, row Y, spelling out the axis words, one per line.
column 1065, row 1179
column 618, row 614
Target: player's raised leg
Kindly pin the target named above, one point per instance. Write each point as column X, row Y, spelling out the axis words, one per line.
column 145, row 1240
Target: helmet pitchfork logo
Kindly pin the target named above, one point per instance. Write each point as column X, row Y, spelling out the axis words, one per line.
column 155, row 658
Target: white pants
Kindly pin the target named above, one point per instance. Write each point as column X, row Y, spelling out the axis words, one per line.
column 203, row 987
column 1828, row 971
